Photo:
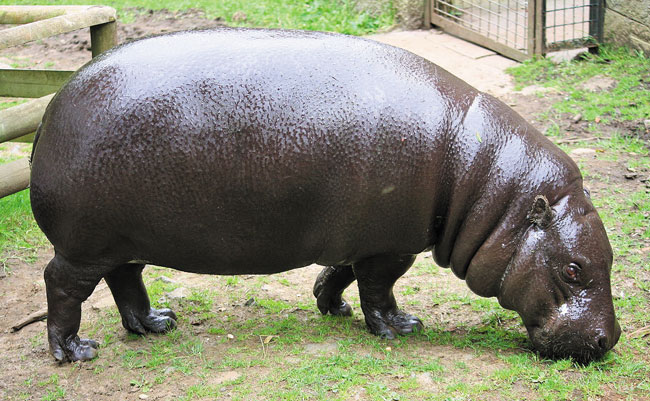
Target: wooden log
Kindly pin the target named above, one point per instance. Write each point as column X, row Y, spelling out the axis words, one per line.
column 14, row 176
column 25, row 14
column 33, row 318
column 95, row 15
column 31, row 83
column 23, row 119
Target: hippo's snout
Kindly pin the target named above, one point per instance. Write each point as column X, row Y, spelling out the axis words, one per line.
column 607, row 341
column 556, row 340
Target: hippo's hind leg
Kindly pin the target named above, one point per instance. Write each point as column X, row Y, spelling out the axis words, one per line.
column 132, row 301
column 68, row 285
column 329, row 287
column 376, row 276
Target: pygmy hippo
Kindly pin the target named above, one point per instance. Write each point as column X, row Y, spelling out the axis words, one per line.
column 252, row 151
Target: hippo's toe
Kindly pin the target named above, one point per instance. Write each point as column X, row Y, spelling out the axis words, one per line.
column 329, row 287
column 157, row 321
column 390, row 324
column 330, row 303
column 74, row 349
column 335, row 307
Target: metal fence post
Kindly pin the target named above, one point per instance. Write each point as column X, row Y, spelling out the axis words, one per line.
column 596, row 23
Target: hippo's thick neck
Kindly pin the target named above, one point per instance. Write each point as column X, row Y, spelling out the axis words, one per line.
column 498, row 164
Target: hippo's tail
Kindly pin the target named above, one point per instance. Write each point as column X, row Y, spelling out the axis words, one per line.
column 38, row 133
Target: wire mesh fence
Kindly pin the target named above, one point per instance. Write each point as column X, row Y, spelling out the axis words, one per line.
column 571, row 23
column 502, row 21
column 525, row 27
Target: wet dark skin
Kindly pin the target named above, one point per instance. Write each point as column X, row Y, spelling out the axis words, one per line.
column 240, row 151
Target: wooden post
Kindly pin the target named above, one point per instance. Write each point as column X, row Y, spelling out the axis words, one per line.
column 540, row 27
column 530, row 29
column 14, row 176
column 427, row 14
column 103, row 37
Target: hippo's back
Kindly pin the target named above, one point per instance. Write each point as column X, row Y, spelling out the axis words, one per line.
column 220, row 147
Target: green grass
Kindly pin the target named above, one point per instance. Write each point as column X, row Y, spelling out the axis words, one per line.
column 5, row 104
column 321, row 15
column 627, row 100
column 19, row 234
column 625, row 211
column 487, row 360
column 480, row 362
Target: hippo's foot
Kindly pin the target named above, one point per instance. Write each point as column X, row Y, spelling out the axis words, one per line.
column 156, row 321
column 132, row 301
column 328, row 290
column 161, row 320
column 336, row 306
column 73, row 349
column 390, row 324
column 68, row 285
column 376, row 276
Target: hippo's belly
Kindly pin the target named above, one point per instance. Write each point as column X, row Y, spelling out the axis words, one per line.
column 247, row 158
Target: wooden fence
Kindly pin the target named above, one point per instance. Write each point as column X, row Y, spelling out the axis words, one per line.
column 33, row 23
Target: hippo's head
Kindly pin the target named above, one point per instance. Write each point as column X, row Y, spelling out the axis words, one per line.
column 559, row 280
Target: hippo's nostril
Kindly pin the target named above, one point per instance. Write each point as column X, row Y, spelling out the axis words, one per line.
column 603, row 343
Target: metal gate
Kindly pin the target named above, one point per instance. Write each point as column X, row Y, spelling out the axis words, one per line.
column 519, row 29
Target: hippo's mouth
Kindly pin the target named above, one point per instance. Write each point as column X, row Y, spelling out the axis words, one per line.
column 560, row 342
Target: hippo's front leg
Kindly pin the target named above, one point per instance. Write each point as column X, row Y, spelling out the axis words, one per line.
column 132, row 301
column 376, row 277
column 68, row 285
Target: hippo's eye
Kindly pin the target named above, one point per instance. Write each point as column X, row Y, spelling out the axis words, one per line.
column 571, row 272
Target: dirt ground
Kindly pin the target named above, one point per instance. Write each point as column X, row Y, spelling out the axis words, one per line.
column 25, row 359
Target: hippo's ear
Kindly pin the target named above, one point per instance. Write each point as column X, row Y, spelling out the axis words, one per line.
column 541, row 213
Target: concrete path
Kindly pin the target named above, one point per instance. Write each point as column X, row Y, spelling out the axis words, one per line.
column 478, row 66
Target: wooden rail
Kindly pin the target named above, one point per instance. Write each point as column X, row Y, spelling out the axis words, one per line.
column 14, row 176
column 33, row 23
column 70, row 19
column 22, row 119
